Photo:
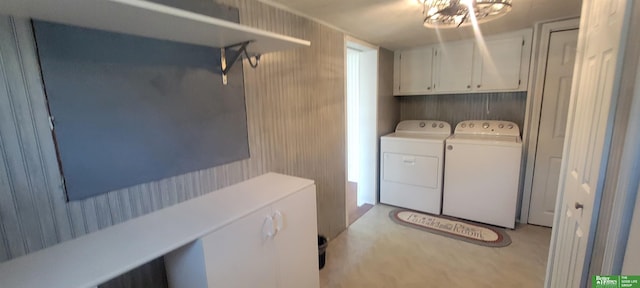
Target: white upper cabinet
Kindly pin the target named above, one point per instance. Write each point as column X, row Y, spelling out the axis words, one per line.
column 453, row 67
column 497, row 63
column 413, row 71
column 502, row 63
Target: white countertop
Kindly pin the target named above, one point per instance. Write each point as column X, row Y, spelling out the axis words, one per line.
column 98, row 257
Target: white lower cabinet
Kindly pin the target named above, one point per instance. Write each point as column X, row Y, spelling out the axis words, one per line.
column 259, row 233
column 241, row 246
column 297, row 241
column 274, row 246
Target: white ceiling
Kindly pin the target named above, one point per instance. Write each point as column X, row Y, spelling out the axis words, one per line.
column 396, row 24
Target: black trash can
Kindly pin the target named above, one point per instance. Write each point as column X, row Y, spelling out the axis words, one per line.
column 322, row 249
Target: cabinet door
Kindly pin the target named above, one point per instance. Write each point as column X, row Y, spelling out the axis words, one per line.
column 241, row 255
column 453, row 67
column 498, row 68
column 296, row 241
column 415, row 71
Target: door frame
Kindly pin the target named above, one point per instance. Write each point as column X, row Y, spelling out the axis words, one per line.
column 623, row 175
column 623, row 172
column 355, row 43
column 542, row 33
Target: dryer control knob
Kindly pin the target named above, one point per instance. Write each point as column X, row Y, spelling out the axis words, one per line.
column 422, row 124
column 471, row 125
column 463, row 125
column 449, row 147
column 485, row 125
column 434, row 125
column 441, row 125
column 510, row 126
column 501, row 126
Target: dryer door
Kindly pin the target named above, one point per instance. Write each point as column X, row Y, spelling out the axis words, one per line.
column 411, row 169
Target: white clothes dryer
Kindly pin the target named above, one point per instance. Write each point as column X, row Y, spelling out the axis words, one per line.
column 411, row 165
column 483, row 172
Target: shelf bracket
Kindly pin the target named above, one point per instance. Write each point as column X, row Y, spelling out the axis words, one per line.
column 225, row 67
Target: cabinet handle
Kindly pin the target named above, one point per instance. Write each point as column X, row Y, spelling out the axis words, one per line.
column 279, row 219
column 478, row 85
column 468, row 86
column 268, row 227
column 429, row 88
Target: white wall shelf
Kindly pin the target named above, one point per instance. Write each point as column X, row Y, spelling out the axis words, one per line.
column 148, row 19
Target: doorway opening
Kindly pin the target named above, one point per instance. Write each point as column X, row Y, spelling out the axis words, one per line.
column 362, row 145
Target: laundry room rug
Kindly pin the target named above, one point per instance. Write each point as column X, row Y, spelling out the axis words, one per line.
column 475, row 233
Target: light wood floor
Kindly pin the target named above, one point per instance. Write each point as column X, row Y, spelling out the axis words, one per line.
column 375, row 252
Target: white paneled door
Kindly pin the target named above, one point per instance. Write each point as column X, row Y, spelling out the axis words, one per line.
column 597, row 77
column 553, row 121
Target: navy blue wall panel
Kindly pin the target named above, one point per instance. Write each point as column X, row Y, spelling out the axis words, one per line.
column 130, row 110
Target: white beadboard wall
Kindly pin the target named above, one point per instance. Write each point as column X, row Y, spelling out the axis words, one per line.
column 388, row 105
column 295, row 106
column 455, row 108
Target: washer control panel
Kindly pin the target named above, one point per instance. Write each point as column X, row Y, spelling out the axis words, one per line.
column 488, row 127
column 424, row 126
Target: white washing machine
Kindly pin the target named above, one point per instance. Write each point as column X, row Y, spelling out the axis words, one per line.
column 483, row 172
column 411, row 165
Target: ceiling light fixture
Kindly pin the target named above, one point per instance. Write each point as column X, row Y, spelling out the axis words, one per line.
column 456, row 13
